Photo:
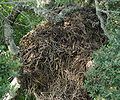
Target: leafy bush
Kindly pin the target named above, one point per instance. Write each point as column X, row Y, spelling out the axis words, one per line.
column 8, row 69
column 103, row 79
column 25, row 22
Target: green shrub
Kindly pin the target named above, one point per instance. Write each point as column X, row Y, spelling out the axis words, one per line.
column 103, row 79
column 8, row 69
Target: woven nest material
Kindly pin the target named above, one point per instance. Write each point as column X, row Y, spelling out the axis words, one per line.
column 54, row 56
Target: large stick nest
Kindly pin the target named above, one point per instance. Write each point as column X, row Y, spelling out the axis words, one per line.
column 55, row 56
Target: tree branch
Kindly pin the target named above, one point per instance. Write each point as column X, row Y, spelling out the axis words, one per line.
column 102, row 22
column 8, row 31
column 8, row 23
column 53, row 17
column 14, row 86
column 17, row 10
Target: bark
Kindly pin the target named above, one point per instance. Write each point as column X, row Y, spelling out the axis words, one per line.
column 102, row 22
column 8, row 23
column 8, row 31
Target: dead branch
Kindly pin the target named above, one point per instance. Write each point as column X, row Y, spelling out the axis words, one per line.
column 102, row 22
column 8, row 23
column 8, row 31
column 14, row 86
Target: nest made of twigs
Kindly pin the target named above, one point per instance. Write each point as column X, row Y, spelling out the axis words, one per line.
column 54, row 56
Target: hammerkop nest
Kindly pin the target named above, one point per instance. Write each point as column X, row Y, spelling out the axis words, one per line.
column 55, row 56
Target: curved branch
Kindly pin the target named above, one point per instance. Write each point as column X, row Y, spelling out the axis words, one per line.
column 14, row 86
column 48, row 14
column 8, row 31
column 8, row 23
column 17, row 10
column 102, row 22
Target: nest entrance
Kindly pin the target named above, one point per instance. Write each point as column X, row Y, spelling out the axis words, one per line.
column 54, row 56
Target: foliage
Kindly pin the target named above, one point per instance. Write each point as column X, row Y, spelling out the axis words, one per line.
column 103, row 79
column 5, row 10
column 9, row 66
column 25, row 22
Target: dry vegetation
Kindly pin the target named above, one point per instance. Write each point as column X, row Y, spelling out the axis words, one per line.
column 55, row 56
